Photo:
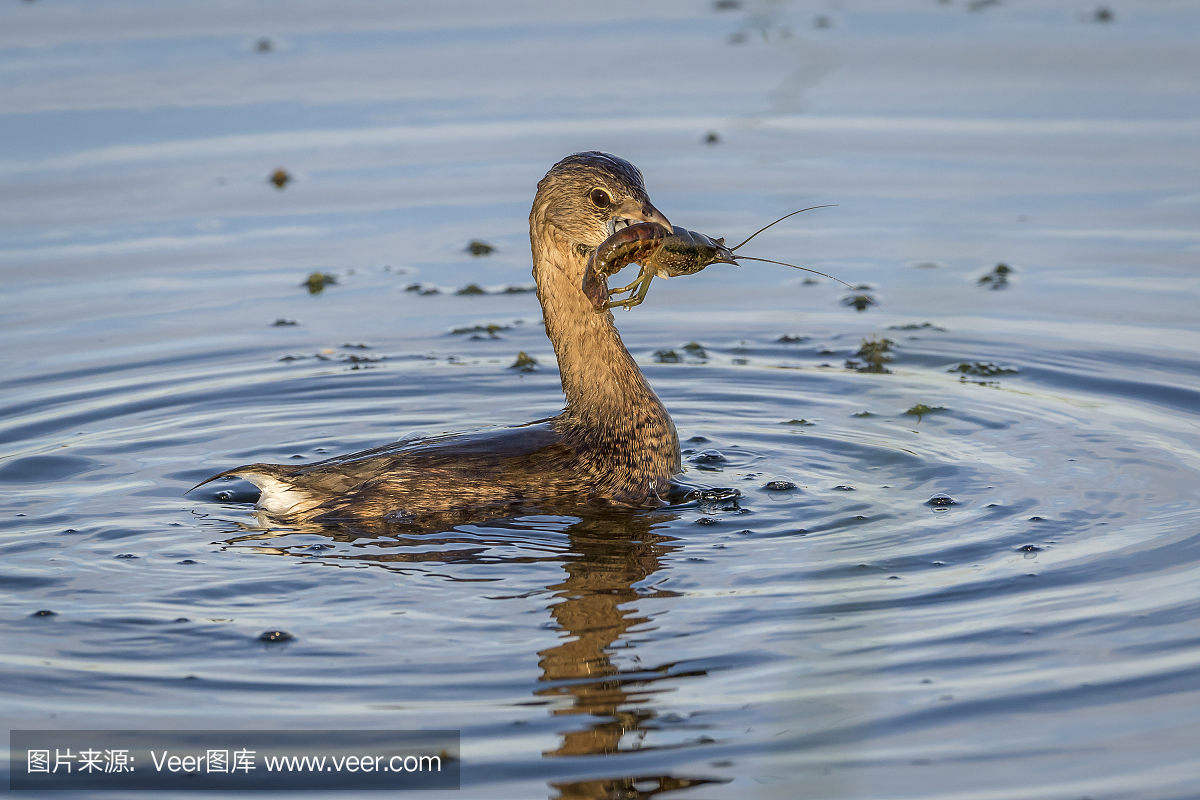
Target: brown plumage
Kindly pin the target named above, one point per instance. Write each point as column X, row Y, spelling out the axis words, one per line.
column 613, row 442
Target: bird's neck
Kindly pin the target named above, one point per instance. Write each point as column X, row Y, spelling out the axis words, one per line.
column 602, row 383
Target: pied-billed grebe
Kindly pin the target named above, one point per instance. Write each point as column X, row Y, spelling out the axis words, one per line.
column 614, row 441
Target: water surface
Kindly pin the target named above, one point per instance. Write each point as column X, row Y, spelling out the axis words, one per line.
column 994, row 598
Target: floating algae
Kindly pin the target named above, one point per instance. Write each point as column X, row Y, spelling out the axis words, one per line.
column 860, row 300
column 912, row 326
column 997, row 278
column 490, row 329
column 524, row 362
column 667, row 357
column 317, row 281
column 920, row 410
column 874, row 352
column 982, row 369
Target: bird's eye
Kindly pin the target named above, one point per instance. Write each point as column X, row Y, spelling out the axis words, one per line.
column 600, row 198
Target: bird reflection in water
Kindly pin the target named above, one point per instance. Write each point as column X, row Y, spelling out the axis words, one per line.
column 599, row 603
column 595, row 613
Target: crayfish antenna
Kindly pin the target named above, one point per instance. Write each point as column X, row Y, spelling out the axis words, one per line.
column 781, row 219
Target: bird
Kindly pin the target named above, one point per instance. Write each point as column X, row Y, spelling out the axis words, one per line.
column 613, row 443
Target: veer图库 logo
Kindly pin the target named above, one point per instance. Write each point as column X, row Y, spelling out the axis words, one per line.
column 233, row 760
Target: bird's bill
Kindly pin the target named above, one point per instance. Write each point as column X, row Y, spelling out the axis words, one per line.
column 632, row 212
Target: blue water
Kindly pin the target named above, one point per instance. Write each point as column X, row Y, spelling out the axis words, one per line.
column 844, row 638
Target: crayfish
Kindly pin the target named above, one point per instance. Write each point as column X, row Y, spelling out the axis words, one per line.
column 662, row 253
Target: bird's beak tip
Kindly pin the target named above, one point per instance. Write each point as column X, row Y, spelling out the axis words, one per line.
column 634, row 211
column 652, row 214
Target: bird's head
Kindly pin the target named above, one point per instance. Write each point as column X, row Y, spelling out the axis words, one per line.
column 589, row 196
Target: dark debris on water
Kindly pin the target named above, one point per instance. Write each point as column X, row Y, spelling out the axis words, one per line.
column 667, row 357
column 470, row 290
column 355, row 360
column 874, row 352
column 982, row 369
column 859, row 301
column 997, row 278
column 920, row 410
column 912, row 326
column 317, row 281
column 524, row 362
column 491, row 329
